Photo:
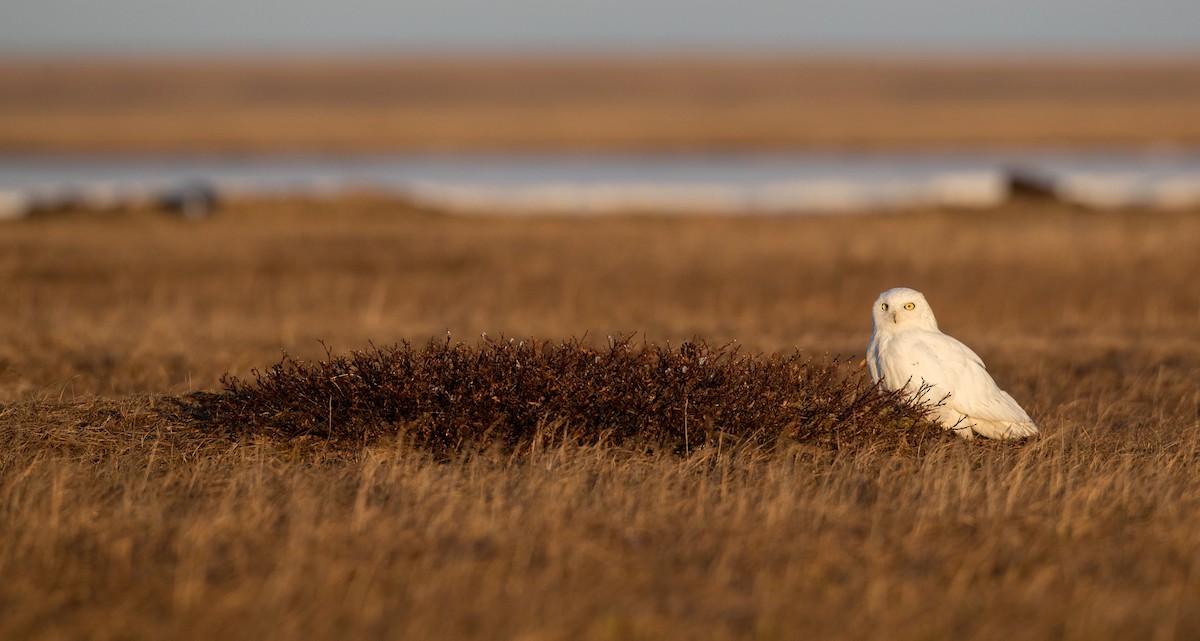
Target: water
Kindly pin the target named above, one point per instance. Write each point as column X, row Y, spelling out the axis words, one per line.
column 578, row 183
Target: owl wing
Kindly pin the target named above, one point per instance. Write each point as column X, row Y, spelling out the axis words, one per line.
column 954, row 369
column 916, row 357
column 873, row 357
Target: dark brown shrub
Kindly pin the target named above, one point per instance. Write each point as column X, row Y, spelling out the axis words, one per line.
column 448, row 396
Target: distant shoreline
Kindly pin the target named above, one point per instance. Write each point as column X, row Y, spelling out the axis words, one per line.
column 590, row 184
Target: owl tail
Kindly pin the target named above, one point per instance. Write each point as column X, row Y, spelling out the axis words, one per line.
column 969, row 428
column 1004, row 429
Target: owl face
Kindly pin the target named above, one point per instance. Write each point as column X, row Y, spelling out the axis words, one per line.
column 903, row 308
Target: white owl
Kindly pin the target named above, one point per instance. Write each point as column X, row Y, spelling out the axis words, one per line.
column 907, row 350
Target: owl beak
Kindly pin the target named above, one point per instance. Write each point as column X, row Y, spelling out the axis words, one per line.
column 894, row 318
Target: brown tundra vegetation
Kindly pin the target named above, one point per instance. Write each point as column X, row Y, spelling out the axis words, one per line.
column 366, row 489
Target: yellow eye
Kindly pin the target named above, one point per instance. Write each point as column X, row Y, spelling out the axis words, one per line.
column 910, row 306
column 884, row 306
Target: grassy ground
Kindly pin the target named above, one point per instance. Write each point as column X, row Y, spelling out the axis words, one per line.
column 354, row 105
column 121, row 517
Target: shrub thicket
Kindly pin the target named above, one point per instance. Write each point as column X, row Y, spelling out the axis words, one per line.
column 447, row 396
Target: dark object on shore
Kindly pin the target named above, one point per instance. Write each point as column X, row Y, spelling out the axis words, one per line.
column 194, row 201
column 1030, row 183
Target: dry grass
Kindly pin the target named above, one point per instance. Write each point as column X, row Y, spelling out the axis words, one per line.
column 123, row 517
column 352, row 105
column 127, row 528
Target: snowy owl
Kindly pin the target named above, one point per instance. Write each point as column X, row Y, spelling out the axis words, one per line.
column 907, row 350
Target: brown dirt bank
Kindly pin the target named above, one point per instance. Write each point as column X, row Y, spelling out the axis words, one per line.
column 698, row 103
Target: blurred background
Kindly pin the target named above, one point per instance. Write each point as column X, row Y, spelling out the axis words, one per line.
column 614, row 26
column 589, row 106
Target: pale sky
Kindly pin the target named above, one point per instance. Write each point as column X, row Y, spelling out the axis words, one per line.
column 77, row 26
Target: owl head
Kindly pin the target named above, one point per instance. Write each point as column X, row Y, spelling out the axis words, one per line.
column 903, row 308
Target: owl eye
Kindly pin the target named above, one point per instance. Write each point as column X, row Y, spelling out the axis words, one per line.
column 910, row 306
column 884, row 307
